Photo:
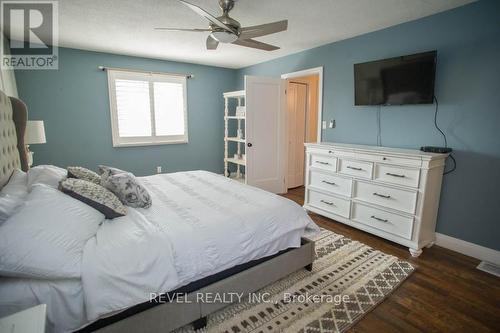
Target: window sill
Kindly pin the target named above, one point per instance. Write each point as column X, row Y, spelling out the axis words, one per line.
column 141, row 144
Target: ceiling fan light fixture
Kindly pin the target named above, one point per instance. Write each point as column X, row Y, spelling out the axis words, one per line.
column 227, row 30
column 224, row 36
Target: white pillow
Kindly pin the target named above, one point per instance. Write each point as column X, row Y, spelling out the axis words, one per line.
column 9, row 205
column 13, row 194
column 45, row 239
column 17, row 185
column 46, row 174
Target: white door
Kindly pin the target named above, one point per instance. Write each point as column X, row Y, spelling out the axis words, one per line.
column 265, row 133
column 297, row 106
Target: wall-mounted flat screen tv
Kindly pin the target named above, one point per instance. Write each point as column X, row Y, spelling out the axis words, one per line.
column 396, row 81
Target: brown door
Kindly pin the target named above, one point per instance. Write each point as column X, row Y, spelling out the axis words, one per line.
column 297, row 108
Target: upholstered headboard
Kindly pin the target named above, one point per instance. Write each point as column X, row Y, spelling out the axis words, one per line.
column 13, row 117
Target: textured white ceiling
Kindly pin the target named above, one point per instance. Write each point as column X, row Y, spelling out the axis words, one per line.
column 126, row 26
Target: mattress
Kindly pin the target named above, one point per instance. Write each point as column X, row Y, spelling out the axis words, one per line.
column 199, row 224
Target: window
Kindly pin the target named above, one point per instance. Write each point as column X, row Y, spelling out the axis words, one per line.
column 147, row 108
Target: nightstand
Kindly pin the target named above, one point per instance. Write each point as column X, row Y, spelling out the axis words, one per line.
column 31, row 320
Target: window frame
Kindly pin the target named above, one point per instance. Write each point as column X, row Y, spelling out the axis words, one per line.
column 118, row 141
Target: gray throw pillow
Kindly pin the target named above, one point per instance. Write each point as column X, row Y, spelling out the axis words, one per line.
column 83, row 173
column 95, row 196
column 127, row 188
column 106, row 171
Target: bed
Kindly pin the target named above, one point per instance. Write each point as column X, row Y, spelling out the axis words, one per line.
column 204, row 234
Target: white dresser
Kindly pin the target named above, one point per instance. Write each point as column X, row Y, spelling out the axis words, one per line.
column 389, row 192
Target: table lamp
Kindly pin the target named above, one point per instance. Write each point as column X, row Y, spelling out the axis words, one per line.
column 35, row 134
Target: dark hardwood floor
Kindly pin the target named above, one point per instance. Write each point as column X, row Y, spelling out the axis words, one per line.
column 445, row 294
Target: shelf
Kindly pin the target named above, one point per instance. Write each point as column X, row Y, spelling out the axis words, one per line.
column 235, row 117
column 235, row 94
column 240, row 179
column 235, row 139
column 236, row 161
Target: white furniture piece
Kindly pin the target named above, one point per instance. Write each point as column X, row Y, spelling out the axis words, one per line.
column 264, row 133
column 239, row 97
column 31, row 320
column 390, row 192
column 35, row 134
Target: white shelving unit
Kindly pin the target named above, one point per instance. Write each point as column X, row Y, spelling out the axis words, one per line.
column 229, row 117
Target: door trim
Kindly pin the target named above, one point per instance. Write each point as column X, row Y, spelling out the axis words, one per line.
column 307, row 72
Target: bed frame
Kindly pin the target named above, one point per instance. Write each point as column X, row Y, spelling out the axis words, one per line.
column 154, row 316
column 165, row 317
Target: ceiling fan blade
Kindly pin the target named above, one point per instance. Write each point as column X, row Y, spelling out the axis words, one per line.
column 180, row 29
column 209, row 17
column 212, row 43
column 255, row 44
column 263, row 29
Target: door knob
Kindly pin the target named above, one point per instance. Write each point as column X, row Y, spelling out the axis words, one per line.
column 249, row 144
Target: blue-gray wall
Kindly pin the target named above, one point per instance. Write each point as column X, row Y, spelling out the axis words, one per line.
column 74, row 104
column 468, row 88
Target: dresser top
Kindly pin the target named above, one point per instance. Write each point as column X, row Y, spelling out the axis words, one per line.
column 377, row 149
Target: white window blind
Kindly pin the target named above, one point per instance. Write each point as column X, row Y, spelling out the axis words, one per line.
column 147, row 108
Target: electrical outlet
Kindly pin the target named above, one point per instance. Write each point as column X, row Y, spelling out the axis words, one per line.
column 323, row 124
column 158, row 169
column 332, row 123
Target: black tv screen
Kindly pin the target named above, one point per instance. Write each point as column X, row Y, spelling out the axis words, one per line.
column 396, row 81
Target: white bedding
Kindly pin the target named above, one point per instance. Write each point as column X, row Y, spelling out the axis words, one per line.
column 199, row 224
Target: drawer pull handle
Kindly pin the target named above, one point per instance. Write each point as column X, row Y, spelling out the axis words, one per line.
column 379, row 219
column 354, row 168
column 395, row 175
column 327, row 202
column 327, row 182
column 381, row 195
column 324, row 163
column 330, row 152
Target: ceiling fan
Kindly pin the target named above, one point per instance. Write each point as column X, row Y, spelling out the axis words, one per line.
column 224, row 29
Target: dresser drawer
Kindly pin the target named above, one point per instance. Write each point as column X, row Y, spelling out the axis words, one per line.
column 331, row 151
column 389, row 159
column 330, row 203
column 331, row 183
column 323, row 162
column 403, row 200
column 389, row 222
column 397, row 175
column 356, row 168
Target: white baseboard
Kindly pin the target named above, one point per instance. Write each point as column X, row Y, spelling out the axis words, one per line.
column 469, row 249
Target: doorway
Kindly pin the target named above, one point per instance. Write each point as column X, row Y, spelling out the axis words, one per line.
column 303, row 119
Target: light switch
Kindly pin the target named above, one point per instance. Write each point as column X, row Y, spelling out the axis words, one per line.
column 332, row 123
column 323, row 124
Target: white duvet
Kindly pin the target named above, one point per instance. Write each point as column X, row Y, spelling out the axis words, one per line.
column 199, row 224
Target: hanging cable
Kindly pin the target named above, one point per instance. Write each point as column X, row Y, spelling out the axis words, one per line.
column 454, row 165
column 436, row 124
column 444, row 137
column 379, row 127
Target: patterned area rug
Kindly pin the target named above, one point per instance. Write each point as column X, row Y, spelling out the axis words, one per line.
column 348, row 280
